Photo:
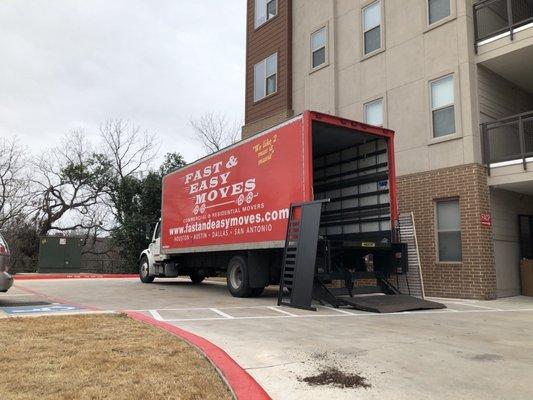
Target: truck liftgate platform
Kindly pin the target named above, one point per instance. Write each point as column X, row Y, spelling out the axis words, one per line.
column 312, row 262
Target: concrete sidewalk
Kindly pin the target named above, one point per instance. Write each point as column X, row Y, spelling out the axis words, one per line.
column 472, row 350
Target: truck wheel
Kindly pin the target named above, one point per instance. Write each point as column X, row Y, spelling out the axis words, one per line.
column 144, row 271
column 196, row 277
column 237, row 277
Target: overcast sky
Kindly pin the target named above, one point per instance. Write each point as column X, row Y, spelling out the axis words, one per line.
column 68, row 64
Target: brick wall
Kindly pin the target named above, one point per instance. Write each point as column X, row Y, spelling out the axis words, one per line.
column 475, row 276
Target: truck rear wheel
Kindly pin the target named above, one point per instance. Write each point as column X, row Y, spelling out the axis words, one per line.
column 144, row 271
column 237, row 277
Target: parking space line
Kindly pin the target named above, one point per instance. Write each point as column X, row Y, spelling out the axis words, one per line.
column 277, row 309
column 221, row 313
column 155, row 314
column 347, row 315
column 338, row 310
column 475, row 305
column 16, row 295
column 197, row 308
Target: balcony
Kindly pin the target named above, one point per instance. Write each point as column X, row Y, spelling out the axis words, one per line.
column 508, row 140
column 494, row 19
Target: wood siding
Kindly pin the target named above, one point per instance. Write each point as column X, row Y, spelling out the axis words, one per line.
column 274, row 36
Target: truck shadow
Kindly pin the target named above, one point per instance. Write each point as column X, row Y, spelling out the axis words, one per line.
column 211, row 287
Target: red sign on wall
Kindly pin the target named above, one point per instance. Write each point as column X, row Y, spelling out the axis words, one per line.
column 486, row 219
column 238, row 196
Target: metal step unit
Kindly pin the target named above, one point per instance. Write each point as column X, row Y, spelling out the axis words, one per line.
column 299, row 254
column 311, row 263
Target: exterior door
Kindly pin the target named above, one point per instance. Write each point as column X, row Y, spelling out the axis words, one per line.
column 155, row 245
column 525, row 223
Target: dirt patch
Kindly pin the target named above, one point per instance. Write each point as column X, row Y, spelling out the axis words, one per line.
column 101, row 357
column 332, row 376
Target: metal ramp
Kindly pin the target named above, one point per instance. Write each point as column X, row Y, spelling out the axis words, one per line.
column 389, row 303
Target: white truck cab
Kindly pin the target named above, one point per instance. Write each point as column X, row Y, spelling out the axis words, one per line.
column 152, row 263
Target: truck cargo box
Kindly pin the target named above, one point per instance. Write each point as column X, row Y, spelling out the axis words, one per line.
column 239, row 197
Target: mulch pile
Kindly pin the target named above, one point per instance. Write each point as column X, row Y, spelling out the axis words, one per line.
column 335, row 377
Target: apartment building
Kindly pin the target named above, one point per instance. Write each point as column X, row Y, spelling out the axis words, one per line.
column 454, row 80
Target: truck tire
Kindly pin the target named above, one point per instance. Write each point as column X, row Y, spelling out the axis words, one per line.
column 143, row 271
column 237, row 277
column 196, row 277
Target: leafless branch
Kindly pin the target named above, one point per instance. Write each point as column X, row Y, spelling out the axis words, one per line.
column 13, row 185
column 130, row 149
column 214, row 132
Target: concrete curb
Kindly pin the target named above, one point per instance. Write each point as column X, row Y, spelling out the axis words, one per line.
column 243, row 385
column 28, row 277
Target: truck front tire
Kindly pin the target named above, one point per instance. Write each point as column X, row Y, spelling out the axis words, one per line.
column 144, row 271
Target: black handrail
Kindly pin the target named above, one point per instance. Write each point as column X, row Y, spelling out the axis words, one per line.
column 508, row 139
column 494, row 17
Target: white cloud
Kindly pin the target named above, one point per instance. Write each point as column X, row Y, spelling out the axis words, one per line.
column 66, row 64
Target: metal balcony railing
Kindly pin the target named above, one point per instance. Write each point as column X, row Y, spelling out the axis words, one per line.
column 508, row 139
column 494, row 17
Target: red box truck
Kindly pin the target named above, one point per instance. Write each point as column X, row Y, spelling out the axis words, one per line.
column 227, row 213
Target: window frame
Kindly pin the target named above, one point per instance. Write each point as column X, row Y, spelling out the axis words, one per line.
column 381, row 26
column 325, row 47
column 375, row 100
column 267, row 19
column 265, row 78
column 453, row 15
column 438, row 231
column 432, row 109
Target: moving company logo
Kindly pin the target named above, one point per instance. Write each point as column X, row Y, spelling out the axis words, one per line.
column 211, row 186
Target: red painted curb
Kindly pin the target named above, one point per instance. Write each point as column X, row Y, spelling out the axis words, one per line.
column 242, row 383
column 28, row 277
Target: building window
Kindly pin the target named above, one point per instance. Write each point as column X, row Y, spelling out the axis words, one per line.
column 372, row 27
column 318, row 48
column 374, row 112
column 442, row 106
column 266, row 77
column 438, row 9
column 265, row 10
column 449, row 231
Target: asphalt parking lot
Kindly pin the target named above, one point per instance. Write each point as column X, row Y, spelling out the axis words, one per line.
column 471, row 350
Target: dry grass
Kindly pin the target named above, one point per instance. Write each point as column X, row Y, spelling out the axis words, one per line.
column 100, row 357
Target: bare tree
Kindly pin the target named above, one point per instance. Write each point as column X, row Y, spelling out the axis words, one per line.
column 69, row 182
column 130, row 149
column 13, row 183
column 214, row 132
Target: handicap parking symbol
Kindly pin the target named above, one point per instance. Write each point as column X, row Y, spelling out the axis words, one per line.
column 39, row 309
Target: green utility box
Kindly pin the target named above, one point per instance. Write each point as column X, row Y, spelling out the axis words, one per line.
column 60, row 254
